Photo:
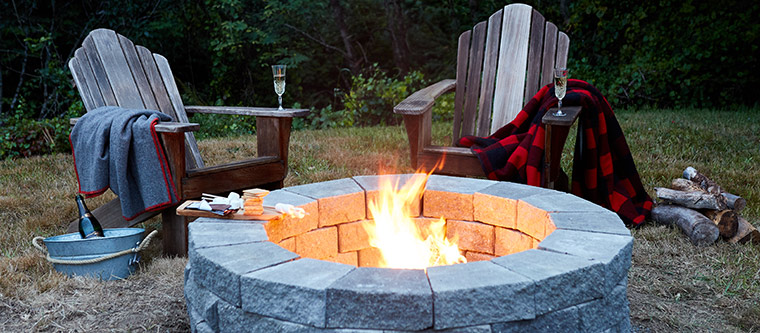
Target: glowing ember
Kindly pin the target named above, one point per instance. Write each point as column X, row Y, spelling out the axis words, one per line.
column 402, row 242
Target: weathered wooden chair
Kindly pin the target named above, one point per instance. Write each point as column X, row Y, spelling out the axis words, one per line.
column 109, row 70
column 501, row 64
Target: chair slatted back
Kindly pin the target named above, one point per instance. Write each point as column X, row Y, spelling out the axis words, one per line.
column 109, row 70
column 501, row 64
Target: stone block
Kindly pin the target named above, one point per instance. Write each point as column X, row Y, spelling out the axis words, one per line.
column 219, row 268
column 377, row 298
column 233, row 319
column 318, row 244
column 532, row 220
column 340, row 200
column 563, row 320
column 288, row 244
column 370, row 257
column 288, row 226
column 602, row 222
column 202, row 302
column 553, row 273
column 353, row 236
column 347, row 258
column 403, row 183
column 605, row 313
column 451, row 197
column 613, row 251
column 294, row 291
column 508, row 241
column 471, row 236
column 479, row 293
column 219, row 232
column 497, row 204
column 477, row 256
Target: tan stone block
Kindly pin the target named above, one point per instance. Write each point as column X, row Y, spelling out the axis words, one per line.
column 288, row 244
column 341, row 208
column 510, row 241
column 450, row 205
column 348, row 258
column 532, row 220
column 318, row 244
column 353, row 236
column 550, row 227
column 493, row 210
column 279, row 229
column 477, row 256
column 370, row 257
column 471, row 236
column 413, row 208
column 424, row 223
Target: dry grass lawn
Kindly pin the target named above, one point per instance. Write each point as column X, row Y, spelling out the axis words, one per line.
column 673, row 286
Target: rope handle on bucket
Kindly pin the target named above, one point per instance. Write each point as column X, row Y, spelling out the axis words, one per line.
column 136, row 249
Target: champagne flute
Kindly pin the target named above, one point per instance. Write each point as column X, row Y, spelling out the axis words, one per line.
column 278, row 72
column 560, row 87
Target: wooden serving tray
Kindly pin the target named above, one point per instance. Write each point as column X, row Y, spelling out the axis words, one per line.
column 268, row 214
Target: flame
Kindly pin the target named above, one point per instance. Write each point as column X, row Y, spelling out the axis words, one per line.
column 402, row 242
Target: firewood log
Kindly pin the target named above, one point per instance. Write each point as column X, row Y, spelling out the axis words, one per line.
column 746, row 233
column 726, row 220
column 700, row 230
column 706, row 183
column 733, row 201
column 696, row 200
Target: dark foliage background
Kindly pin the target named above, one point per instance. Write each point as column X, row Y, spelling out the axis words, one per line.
column 351, row 61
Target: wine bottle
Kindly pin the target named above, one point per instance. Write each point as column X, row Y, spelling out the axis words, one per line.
column 89, row 226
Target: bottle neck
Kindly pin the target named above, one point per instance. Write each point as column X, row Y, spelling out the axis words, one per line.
column 83, row 211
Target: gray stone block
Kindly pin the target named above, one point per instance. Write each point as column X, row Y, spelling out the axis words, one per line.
column 514, row 190
column 563, row 202
column 209, row 234
column 561, row 280
column 294, row 291
column 202, row 302
column 563, row 320
column 285, row 196
column 204, row 327
column 605, row 313
column 330, row 188
column 219, row 268
column 371, row 183
column 469, row 329
column 457, row 184
column 378, row 298
column 202, row 220
column 613, row 251
column 602, row 222
column 194, row 318
column 233, row 319
column 479, row 293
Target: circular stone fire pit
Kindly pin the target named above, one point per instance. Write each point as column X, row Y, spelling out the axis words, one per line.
column 539, row 260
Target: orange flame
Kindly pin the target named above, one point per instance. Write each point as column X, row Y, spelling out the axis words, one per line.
column 402, row 242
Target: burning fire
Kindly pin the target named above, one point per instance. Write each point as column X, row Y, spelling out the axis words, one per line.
column 402, row 242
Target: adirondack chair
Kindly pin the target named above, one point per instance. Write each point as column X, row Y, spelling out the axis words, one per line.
column 109, row 70
column 501, row 64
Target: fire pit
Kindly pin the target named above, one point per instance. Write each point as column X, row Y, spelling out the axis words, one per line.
column 538, row 260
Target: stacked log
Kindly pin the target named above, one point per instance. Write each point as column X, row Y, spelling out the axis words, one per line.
column 703, row 210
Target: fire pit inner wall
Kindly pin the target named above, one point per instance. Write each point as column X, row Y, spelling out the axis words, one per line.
column 538, row 260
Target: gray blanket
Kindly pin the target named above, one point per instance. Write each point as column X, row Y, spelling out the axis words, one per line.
column 118, row 148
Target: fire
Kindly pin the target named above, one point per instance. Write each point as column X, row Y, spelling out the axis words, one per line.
column 402, row 242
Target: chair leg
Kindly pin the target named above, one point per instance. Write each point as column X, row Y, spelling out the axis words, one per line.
column 174, row 233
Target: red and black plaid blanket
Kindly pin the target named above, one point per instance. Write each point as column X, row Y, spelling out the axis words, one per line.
column 603, row 168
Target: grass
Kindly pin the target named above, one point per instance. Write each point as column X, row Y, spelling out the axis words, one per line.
column 673, row 286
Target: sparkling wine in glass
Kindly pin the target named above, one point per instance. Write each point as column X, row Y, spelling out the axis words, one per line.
column 278, row 72
column 560, row 87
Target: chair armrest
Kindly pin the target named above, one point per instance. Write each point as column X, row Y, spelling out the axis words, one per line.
column 247, row 111
column 422, row 100
column 162, row 127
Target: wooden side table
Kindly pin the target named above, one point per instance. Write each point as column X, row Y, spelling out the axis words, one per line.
column 556, row 132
